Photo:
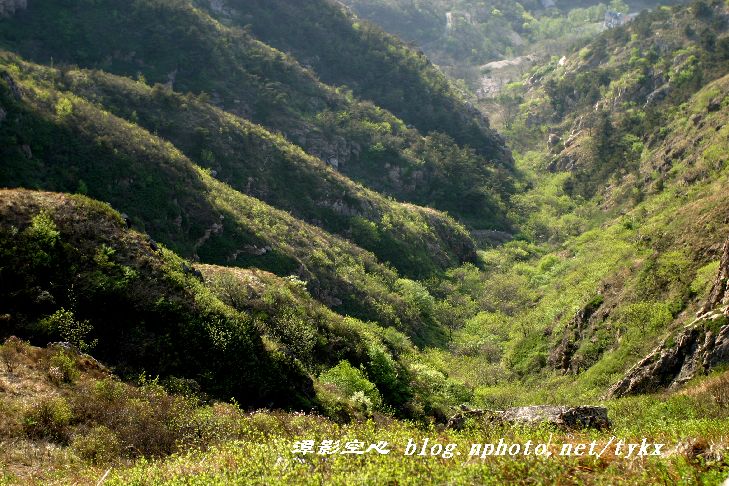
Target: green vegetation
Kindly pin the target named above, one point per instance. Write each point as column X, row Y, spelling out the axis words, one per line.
column 462, row 35
column 321, row 240
column 258, row 163
column 144, row 434
column 248, row 78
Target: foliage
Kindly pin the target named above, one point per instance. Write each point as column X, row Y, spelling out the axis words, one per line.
column 353, row 384
column 63, row 323
column 62, row 368
column 49, row 419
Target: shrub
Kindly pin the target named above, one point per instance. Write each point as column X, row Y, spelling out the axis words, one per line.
column 64, row 323
column 64, row 108
column 646, row 316
column 719, row 391
column 147, row 421
column 701, row 285
column 62, row 368
column 352, row 383
column 49, row 419
column 11, row 351
column 99, row 446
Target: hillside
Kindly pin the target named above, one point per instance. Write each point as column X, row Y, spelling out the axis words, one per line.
column 70, row 263
column 418, row 241
column 374, row 65
column 464, row 34
column 246, row 77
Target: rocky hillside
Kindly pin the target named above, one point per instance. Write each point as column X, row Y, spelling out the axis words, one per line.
column 601, row 108
column 695, row 350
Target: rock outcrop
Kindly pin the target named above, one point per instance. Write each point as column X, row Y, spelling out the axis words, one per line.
column 696, row 349
column 561, row 356
column 9, row 7
column 571, row 418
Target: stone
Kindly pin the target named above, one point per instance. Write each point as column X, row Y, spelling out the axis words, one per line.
column 580, row 417
column 561, row 356
column 565, row 417
column 127, row 221
column 9, row 7
column 14, row 89
column 657, row 95
column 26, row 151
column 564, row 162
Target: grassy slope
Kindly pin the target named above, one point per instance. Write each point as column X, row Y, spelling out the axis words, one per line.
column 417, row 241
column 242, row 75
column 183, row 206
column 216, row 443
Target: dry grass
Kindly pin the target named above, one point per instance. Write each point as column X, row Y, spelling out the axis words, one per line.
column 715, row 387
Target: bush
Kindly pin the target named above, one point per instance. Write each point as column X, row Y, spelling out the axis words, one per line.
column 64, row 323
column 49, row 419
column 353, row 384
column 11, row 351
column 147, row 421
column 62, row 368
column 99, row 446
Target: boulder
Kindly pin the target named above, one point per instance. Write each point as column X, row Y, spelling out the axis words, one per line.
column 581, row 417
column 565, row 417
column 564, row 162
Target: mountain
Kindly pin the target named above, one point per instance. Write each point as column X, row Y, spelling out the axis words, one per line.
column 246, row 77
column 61, row 142
column 258, row 163
column 374, row 65
column 238, row 238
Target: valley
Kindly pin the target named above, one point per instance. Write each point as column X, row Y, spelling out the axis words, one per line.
column 231, row 229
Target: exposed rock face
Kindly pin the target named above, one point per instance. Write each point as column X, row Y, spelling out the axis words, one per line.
column 563, row 162
column 581, row 417
column 14, row 90
column 9, row 7
column 719, row 295
column 571, row 418
column 561, row 357
column 696, row 349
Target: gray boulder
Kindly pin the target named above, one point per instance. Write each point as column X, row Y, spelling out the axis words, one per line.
column 565, row 417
